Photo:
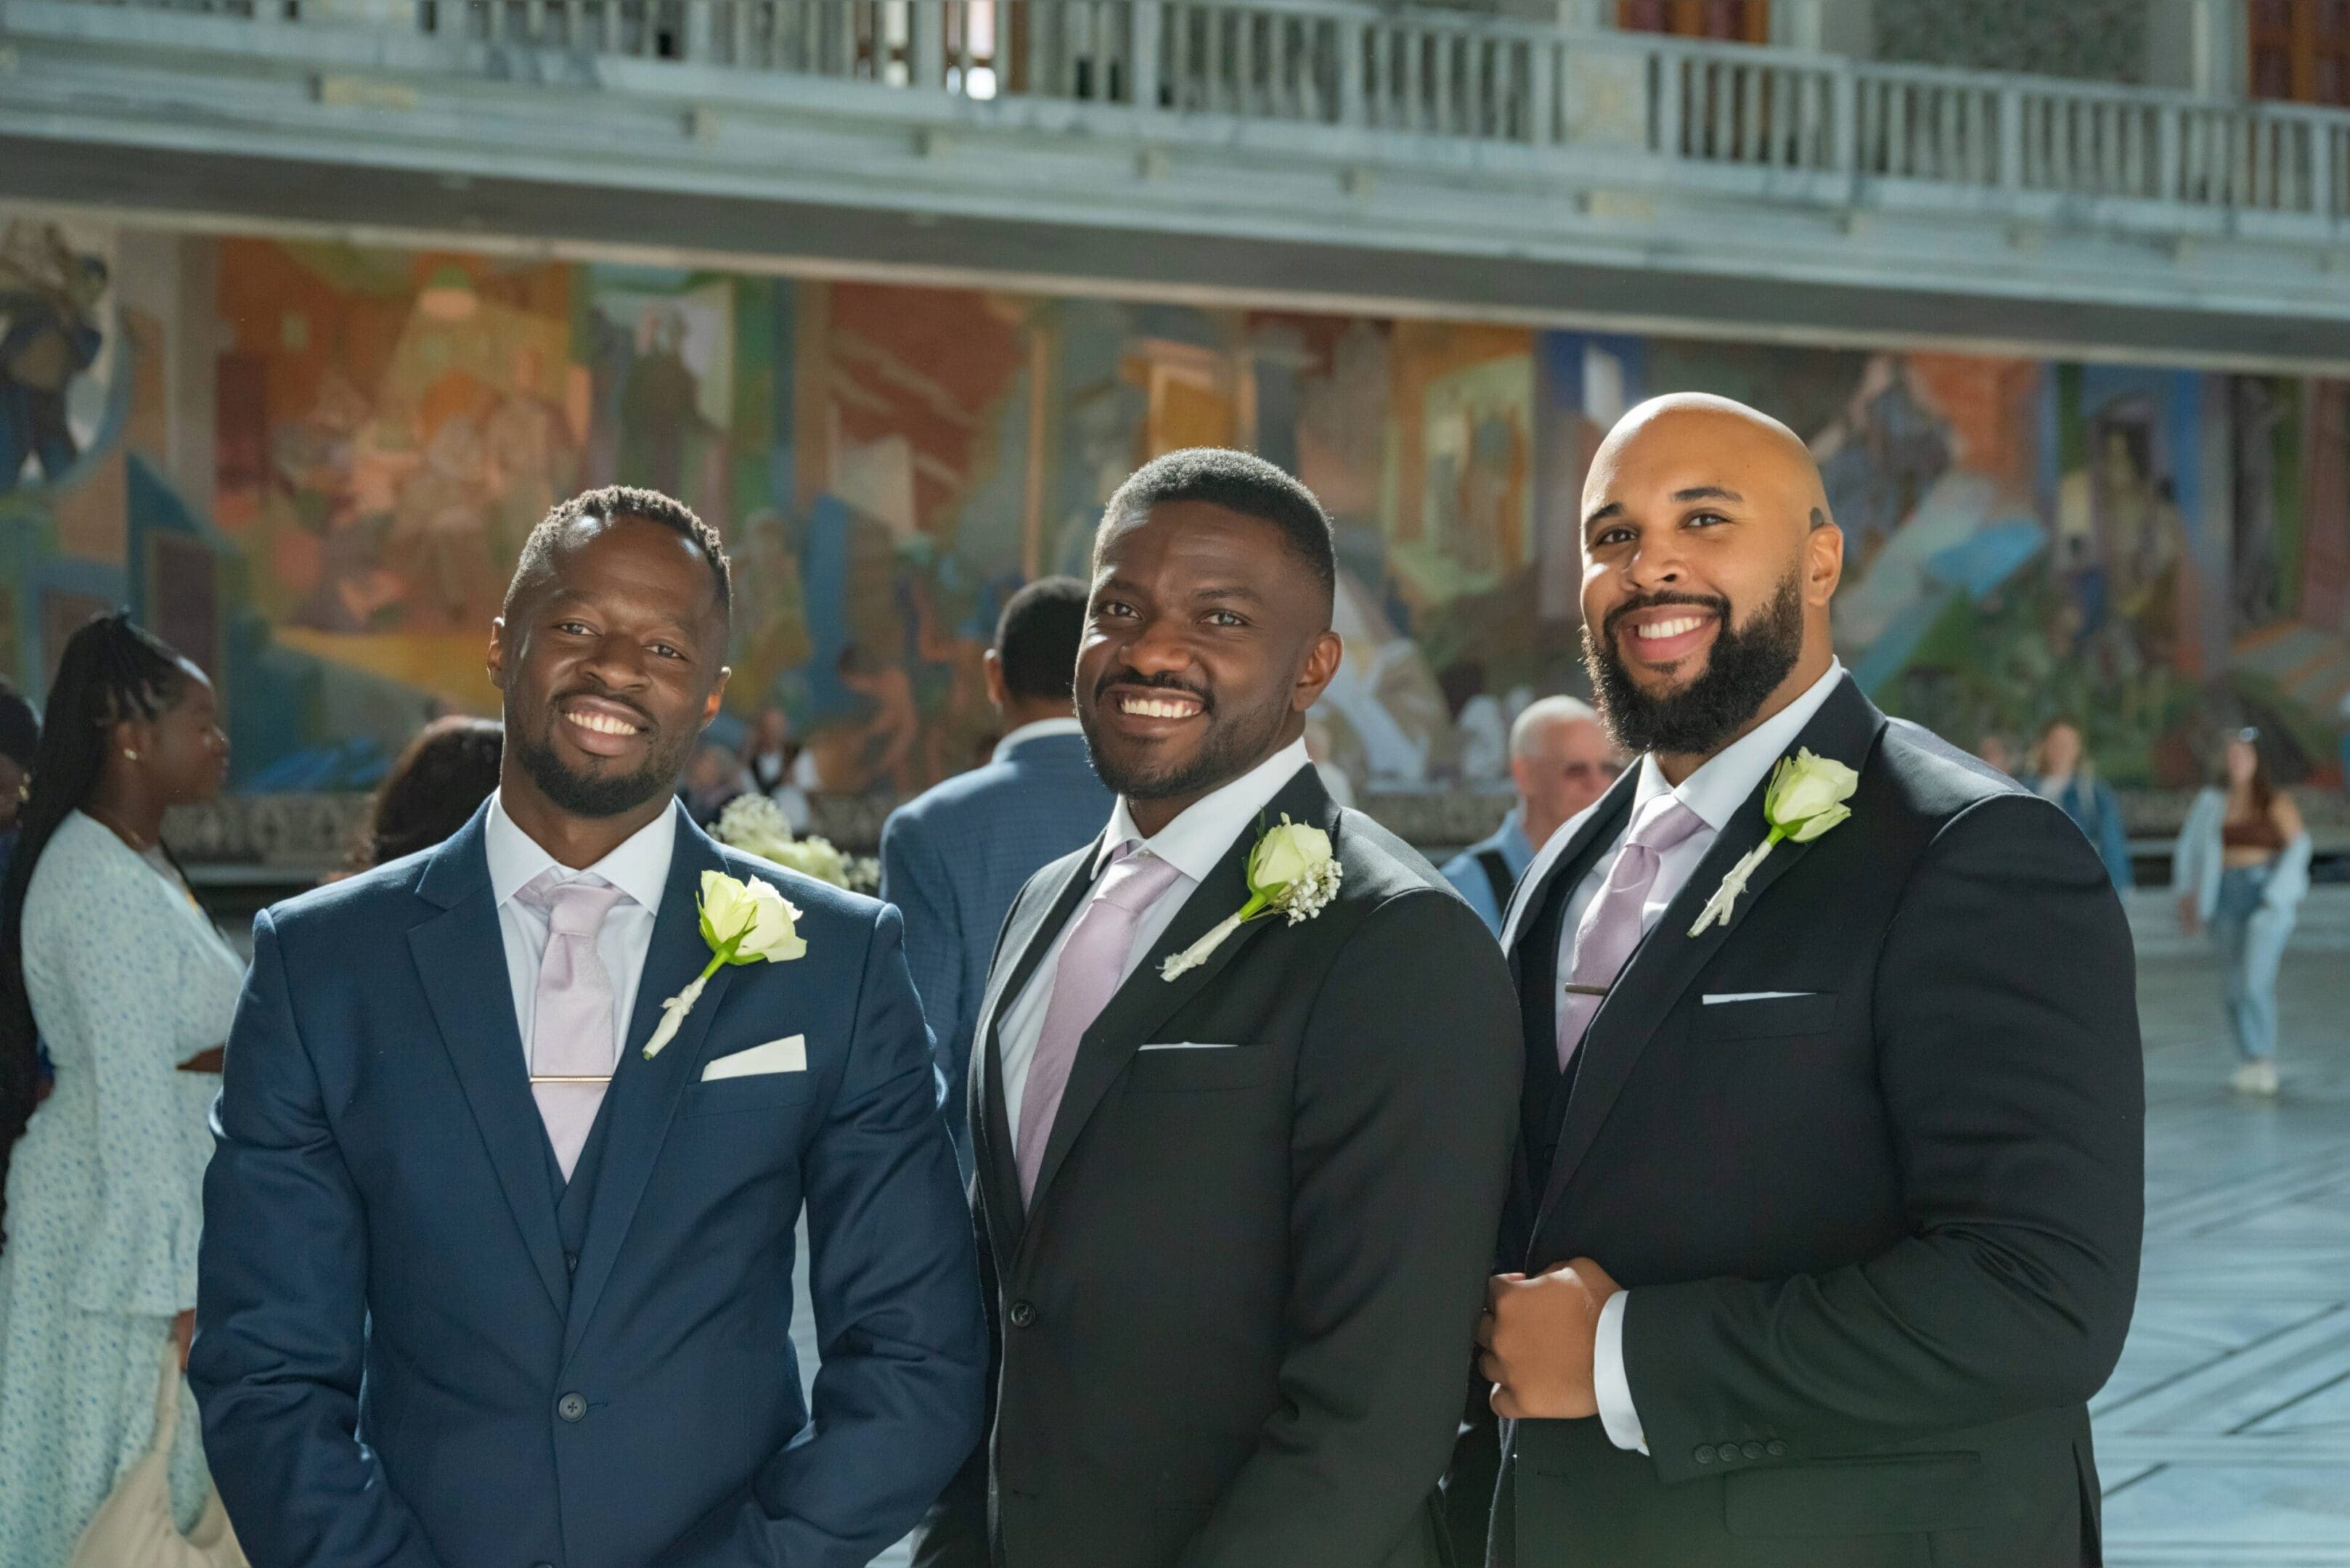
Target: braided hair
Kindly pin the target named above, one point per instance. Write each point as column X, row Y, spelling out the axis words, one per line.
column 112, row 670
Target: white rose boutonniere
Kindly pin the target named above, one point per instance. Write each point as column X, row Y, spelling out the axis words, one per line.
column 743, row 922
column 1291, row 872
column 1807, row 798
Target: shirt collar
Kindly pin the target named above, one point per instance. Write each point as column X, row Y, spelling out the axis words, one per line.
column 638, row 867
column 1717, row 789
column 1036, row 731
column 1513, row 842
column 1197, row 839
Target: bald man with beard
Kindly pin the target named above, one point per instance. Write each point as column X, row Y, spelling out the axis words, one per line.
column 1825, row 1225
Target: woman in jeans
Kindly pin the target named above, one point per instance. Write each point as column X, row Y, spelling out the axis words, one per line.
column 2240, row 868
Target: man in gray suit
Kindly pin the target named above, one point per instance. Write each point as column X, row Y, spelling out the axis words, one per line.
column 954, row 858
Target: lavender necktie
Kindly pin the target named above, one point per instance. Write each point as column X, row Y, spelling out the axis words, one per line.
column 1093, row 961
column 1611, row 926
column 571, row 1046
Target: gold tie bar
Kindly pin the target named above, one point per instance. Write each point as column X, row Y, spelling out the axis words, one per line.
column 571, row 1077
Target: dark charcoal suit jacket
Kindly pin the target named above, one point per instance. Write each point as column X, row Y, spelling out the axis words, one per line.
column 1882, row 1235
column 1232, row 1328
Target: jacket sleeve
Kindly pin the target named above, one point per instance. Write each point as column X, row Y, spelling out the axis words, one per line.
column 282, row 1308
column 914, row 877
column 1406, row 1108
column 898, row 1393
column 2007, row 1050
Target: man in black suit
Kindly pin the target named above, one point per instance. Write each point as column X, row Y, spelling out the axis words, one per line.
column 1235, row 1224
column 1829, row 1213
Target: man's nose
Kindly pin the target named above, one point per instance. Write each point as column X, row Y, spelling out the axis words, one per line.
column 618, row 663
column 1158, row 649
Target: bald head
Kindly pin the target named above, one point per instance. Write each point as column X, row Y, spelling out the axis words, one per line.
column 1562, row 760
column 1709, row 558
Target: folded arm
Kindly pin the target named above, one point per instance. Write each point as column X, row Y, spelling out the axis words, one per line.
column 2008, row 1055
column 282, row 1301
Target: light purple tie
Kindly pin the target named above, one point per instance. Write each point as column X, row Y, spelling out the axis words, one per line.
column 1092, row 963
column 1611, row 926
column 571, row 1048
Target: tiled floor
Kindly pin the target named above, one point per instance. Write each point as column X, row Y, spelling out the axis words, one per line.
column 2224, row 1437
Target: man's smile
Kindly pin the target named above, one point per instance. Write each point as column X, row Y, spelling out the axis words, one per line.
column 602, row 728
column 1665, row 634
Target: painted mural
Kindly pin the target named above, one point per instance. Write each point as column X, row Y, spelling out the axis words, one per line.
column 312, row 465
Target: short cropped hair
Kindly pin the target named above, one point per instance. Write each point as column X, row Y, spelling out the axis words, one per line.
column 1237, row 482
column 1540, row 715
column 1036, row 639
column 624, row 501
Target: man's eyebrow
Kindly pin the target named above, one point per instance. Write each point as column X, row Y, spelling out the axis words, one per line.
column 1229, row 591
column 1613, row 509
column 1707, row 492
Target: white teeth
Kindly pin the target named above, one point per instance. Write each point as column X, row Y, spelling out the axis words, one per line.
column 1673, row 627
column 603, row 724
column 1150, row 708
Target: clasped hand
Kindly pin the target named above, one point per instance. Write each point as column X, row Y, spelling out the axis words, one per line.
column 1538, row 1340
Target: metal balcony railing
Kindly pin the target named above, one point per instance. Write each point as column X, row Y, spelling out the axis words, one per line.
column 1396, row 70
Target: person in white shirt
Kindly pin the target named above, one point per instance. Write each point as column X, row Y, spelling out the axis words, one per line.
column 1828, row 1207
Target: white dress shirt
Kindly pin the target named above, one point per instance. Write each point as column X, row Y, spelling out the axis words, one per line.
column 1715, row 793
column 1193, row 844
column 639, row 868
column 1035, row 729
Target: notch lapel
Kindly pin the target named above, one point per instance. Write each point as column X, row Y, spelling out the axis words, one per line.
column 1661, row 968
column 460, row 962
column 1592, row 832
column 993, row 1165
column 1145, row 1002
column 643, row 1096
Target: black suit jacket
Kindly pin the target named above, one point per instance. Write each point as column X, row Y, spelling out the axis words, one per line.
column 1882, row 1235
column 1232, row 1327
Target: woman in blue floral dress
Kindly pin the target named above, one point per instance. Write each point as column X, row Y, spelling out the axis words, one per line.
column 105, row 954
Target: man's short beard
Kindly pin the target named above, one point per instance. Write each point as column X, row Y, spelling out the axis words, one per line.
column 1746, row 665
column 589, row 795
column 1229, row 750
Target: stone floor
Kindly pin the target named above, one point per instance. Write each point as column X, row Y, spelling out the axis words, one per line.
column 2224, row 1436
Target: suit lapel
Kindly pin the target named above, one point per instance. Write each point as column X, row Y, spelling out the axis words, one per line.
column 1661, row 968
column 992, row 1129
column 1593, row 832
column 459, row 958
column 1145, row 1002
column 644, row 1095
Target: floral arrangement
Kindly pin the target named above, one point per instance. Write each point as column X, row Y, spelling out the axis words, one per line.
column 757, row 825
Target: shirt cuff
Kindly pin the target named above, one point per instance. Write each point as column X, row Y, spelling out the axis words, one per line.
column 1607, row 1381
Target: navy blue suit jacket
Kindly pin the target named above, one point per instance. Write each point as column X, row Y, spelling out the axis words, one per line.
column 391, row 1334
column 953, row 859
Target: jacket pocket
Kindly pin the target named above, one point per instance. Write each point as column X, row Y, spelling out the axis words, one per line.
column 1766, row 1017
column 757, row 1092
column 1895, row 1494
column 1221, row 1067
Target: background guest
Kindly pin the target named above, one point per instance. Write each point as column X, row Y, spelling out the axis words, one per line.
column 2240, row 866
column 1993, row 750
column 713, row 778
column 2061, row 771
column 1561, row 761
column 103, row 950
column 439, row 782
column 954, row 858
column 771, row 765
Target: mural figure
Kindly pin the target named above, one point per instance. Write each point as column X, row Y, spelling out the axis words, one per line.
column 48, row 336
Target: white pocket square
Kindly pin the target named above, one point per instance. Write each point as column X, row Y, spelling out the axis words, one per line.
column 1716, row 998
column 1189, row 1045
column 788, row 1055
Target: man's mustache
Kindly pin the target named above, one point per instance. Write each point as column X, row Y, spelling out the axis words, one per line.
column 1714, row 602
column 1103, row 687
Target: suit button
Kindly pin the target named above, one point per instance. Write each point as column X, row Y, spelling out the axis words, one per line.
column 572, row 1407
column 570, row 1263
column 1704, row 1455
column 1752, row 1450
column 1022, row 1314
column 1727, row 1453
column 542, row 1565
column 1775, row 1449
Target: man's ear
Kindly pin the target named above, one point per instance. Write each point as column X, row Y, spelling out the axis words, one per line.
column 496, row 663
column 717, row 698
column 999, row 695
column 1322, row 662
column 1823, row 563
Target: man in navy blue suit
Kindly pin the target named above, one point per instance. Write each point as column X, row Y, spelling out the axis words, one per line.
column 483, row 1283
column 952, row 859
